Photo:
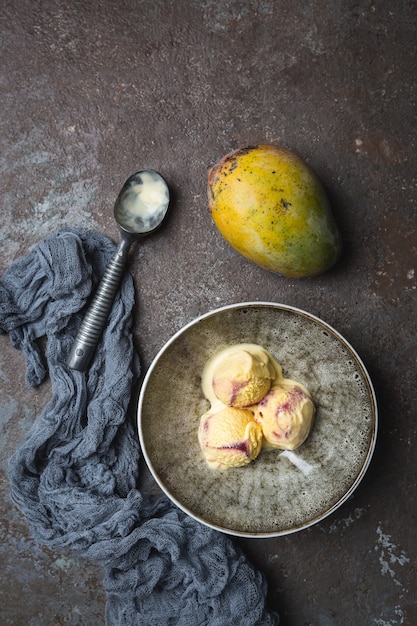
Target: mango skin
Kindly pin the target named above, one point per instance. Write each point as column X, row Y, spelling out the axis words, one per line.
column 271, row 207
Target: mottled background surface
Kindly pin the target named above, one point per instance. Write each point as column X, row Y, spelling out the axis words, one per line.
column 92, row 91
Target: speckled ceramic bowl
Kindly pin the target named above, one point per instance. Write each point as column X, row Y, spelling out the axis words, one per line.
column 280, row 492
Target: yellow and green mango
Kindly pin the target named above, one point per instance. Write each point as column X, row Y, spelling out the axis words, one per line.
column 271, row 207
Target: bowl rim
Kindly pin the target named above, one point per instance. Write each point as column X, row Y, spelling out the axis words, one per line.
column 370, row 449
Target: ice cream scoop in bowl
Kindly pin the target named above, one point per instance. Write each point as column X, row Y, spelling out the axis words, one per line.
column 139, row 210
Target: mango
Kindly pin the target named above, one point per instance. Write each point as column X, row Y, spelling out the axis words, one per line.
column 271, row 207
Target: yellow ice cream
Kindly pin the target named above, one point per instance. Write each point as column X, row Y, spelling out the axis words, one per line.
column 285, row 415
column 229, row 437
column 252, row 405
column 240, row 375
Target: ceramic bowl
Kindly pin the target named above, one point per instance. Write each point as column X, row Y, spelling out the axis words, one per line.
column 280, row 492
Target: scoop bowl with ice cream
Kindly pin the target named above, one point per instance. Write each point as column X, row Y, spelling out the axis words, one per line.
column 281, row 491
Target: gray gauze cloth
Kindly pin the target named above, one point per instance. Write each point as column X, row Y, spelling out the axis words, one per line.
column 76, row 476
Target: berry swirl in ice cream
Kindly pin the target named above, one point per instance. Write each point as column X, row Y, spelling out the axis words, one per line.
column 285, row 414
column 229, row 437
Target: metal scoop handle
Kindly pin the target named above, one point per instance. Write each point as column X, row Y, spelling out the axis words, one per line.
column 97, row 314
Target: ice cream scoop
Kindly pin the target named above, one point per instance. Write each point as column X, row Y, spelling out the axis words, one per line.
column 139, row 210
column 240, row 376
column 229, row 437
column 285, row 415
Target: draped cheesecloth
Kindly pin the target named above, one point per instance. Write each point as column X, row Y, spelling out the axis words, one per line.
column 75, row 477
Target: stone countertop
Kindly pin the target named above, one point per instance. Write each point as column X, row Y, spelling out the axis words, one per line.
column 90, row 93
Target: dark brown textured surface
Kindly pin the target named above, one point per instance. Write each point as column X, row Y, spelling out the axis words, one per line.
column 92, row 91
